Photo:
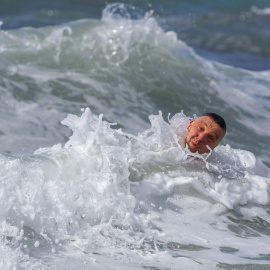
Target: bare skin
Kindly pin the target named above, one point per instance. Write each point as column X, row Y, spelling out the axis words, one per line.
column 203, row 132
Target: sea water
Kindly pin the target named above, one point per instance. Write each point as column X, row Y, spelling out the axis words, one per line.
column 113, row 186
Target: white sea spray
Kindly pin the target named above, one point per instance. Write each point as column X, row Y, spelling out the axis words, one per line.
column 102, row 187
column 125, row 66
column 115, row 200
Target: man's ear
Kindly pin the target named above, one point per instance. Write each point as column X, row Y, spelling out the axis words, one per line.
column 190, row 124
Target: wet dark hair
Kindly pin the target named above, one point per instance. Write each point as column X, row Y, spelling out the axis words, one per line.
column 218, row 120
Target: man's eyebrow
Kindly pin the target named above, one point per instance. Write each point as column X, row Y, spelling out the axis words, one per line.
column 218, row 135
column 201, row 121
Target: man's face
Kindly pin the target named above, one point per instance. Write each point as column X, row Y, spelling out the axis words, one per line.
column 202, row 132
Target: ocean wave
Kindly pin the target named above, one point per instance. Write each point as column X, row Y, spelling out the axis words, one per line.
column 127, row 194
column 104, row 180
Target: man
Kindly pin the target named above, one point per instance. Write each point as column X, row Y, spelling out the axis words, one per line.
column 205, row 133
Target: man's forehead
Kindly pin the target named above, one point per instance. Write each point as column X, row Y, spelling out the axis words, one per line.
column 210, row 123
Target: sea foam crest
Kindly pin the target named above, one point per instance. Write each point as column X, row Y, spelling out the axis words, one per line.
column 229, row 176
column 131, row 32
column 68, row 192
column 98, row 182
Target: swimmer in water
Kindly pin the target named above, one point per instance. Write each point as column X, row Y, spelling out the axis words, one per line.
column 205, row 133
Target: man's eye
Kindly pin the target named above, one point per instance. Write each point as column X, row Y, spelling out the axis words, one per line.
column 211, row 139
column 201, row 128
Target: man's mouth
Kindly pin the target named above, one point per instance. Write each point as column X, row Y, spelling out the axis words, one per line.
column 194, row 144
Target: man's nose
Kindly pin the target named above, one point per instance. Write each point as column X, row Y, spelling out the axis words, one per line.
column 201, row 137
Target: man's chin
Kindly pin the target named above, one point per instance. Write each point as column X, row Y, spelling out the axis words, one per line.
column 192, row 149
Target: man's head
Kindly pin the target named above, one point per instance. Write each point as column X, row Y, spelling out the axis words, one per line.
column 206, row 130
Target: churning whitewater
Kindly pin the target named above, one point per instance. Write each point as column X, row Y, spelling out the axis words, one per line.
column 94, row 194
column 139, row 195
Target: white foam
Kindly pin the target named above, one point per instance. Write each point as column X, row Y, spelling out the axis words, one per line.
column 107, row 188
column 113, row 199
column 260, row 11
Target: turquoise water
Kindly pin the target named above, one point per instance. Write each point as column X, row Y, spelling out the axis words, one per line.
column 112, row 198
